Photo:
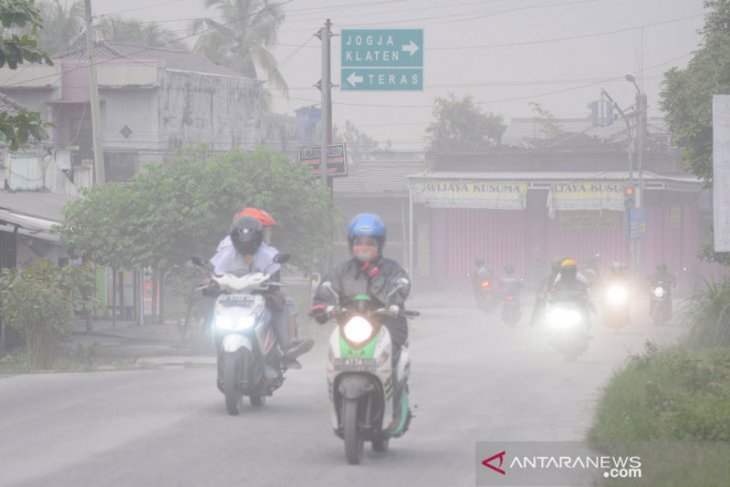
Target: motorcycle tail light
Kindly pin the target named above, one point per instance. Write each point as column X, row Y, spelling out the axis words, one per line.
column 510, row 298
column 486, row 284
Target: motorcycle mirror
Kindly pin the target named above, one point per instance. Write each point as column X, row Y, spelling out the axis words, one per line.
column 281, row 258
column 197, row 261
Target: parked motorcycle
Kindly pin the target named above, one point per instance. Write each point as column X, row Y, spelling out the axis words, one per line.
column 249, row 358
column 660, row 308
column 567, row 320
column 360, row 377
column 616, row 305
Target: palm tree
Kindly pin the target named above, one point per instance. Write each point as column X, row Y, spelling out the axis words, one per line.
column 149, row 34
column 243, row 40
column 63, row 26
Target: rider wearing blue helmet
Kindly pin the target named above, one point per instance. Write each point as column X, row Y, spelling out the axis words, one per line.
column 368, row 272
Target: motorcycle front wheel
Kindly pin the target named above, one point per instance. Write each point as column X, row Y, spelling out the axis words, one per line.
column 353, row 436
column 232, row 384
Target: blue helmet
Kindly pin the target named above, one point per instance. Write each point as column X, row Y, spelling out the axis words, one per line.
column 367, row 225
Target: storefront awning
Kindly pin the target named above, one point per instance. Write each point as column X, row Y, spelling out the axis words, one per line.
column 28, row 225
column 508, row 190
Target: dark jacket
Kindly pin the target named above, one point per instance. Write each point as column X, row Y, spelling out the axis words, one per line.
column 348, row 281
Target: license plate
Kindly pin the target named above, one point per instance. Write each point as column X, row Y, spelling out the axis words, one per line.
column 354, row 364
column 236, row 300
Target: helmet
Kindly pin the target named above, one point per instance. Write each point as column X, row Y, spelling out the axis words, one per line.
column 263, row 217
column 246, row 234
column 367, row 225
column 618, row 267
column 661, row 267
column 509, row 269
column 555, row 264
column 568, row 269
column 479, row 261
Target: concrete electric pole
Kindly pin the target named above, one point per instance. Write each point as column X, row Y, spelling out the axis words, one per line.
column 100, row 176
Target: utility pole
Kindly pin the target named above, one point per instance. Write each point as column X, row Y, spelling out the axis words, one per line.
column 325, row 34
column 100, row 177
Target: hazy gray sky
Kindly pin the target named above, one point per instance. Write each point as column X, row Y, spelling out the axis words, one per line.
column 473, row 47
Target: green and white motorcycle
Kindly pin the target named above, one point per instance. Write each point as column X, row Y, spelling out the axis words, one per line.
column 363, row 388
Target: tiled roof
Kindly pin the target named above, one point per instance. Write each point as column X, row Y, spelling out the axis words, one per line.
column 8, row 105
column 39, row 204
column 378, row 177
column 171, row 58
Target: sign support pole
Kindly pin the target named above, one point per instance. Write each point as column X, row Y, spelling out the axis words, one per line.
column 326, row 87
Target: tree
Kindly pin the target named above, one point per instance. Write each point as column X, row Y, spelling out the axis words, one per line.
column 546, row 121
column 20, row 20
column 243, row 40
column 185, row 207
column 462, row 125
column 686, row 95
column 63, row 26
column 150, row 34
column 359, row 144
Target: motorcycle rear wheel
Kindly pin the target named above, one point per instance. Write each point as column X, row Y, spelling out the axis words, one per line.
column 257, row 401
column 232, row 384
column 354, row 441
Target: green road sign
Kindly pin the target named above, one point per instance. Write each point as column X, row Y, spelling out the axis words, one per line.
column 382, row 79
column 393, row 48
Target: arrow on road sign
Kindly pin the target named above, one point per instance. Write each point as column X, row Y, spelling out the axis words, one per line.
column 353, row 79
column 411, row 48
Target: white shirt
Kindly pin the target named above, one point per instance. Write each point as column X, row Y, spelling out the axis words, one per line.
column 227, row 259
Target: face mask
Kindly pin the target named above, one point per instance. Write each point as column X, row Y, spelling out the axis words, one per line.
column 364, row 255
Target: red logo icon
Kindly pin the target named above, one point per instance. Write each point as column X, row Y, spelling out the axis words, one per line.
column 499, row 455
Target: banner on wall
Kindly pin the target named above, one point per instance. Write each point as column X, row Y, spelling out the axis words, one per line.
column 586, row 195
column 467, row 193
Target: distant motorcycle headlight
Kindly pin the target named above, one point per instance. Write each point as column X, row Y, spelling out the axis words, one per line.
column 358, row 329
column 659, row 292
column 617, row 294
column 561, row 318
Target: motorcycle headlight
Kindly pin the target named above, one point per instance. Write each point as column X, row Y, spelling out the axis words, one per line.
column 560, row 318
column 616, row 295
column 227, row 323
column 358, row 329
column 659, row 292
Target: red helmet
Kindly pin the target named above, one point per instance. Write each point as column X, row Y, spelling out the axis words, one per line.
column 264, row 218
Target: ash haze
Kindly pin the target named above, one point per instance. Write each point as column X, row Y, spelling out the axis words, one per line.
column 490, row 49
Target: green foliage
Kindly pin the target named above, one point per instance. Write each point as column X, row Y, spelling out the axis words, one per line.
column 244, row 38
column 686, row 95
column 675, row 394
column 185, row 208
column 18, row 126
column 359, row 144
column 464, row 126
column 546, row 121
column 708, row 313
column 38, row 303
column 118, row 29
column 63, row 26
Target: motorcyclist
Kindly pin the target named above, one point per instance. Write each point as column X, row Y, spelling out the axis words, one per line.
column 544, row 290
column 248, row 252
column 368, row 272
column 662, row 274
column 510, row 283
column 481, row 271
column 268, row 222
column 569, row 279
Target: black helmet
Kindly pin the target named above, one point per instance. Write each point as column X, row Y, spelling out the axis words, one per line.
column 509, row 269
column 246, row 234
column 479, row 261
column 661, row 267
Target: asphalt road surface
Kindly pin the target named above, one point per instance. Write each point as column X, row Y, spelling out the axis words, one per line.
column 473, row 379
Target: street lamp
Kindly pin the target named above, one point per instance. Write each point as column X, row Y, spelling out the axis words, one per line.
column 639, row 137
